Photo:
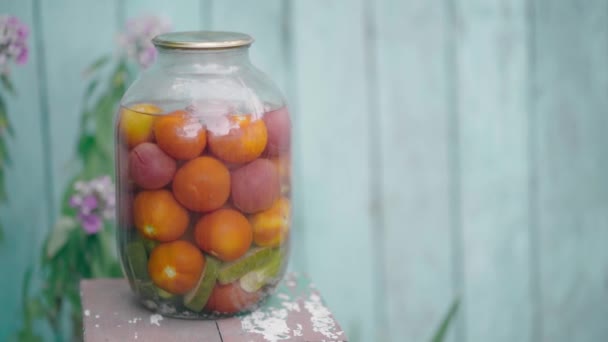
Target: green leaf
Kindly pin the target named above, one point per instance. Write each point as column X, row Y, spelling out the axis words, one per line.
column 120, row 75
column 59, row 235
column 66, row 209
column 4, row 122
column 439, row 335
column 3, row 196
column 85, row 145
column 90, row 89
column 6, row 82
column 74, row 298
column 97, row 64
column 5, row 125
column 5, row 158
column 34, row 307
column 27, row 335
column 25, row 290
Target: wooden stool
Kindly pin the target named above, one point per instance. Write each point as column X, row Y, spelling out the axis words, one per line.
column 295, row 312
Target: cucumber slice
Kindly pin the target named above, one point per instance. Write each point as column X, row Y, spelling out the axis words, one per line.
column 145, row 289
column 256, row 279
column 253, row 259
column 164, row 294
column 149, row 244
column 196, row 299
column 138, row 260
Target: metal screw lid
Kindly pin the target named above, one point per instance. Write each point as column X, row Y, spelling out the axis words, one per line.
column 202, row 40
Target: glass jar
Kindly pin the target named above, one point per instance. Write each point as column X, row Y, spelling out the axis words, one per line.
column 203, row 178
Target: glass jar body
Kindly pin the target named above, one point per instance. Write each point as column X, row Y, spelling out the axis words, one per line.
column 203, row 164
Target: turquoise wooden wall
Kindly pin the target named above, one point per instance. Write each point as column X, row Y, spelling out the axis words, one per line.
column 444, row 148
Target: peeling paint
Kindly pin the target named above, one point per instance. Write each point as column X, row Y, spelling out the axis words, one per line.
column 155, row 319
column 270, row 323
column 321, row 319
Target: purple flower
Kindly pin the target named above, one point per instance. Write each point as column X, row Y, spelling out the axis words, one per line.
column 89, row 204
column 75, row 201
column 22, row 56
column 136, row 41
column 13, row 42
column 91, row 223
column 94, row 202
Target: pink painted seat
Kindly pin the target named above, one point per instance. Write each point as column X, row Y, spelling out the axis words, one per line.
column 296, row 312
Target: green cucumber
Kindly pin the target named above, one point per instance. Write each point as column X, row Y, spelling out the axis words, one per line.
column 138, row 260
column 253, row 259
column 196, row 298
column 256, row 279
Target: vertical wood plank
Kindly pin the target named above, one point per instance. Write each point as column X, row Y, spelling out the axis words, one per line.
column 413, row 113
column 183, row 15
column 24, row 218
column 264, row 20
column 492, row 76
column 74, row 38
column 571, row 117
column 334, row 146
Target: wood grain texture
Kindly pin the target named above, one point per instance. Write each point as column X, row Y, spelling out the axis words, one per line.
column 184, row 15
column 264, row 21
column 65, row 62
column 334, row 148
column 296, row 312
column 491, row 85
column 571, row 117
column 413, row 117
column 111, row 313
column 24, row 217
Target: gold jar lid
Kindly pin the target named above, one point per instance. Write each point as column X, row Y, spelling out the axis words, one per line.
column 202, row 40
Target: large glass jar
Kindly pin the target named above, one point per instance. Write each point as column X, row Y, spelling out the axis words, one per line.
column 203, row 178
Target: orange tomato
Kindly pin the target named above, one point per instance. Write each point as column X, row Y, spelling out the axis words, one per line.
column 270, row 227
column 224, row 233
column 176, row 266
column 135, row 123
column 231, row 298
column 180, row 135
column 158, row 216
column 241, row 144
column 202, row 184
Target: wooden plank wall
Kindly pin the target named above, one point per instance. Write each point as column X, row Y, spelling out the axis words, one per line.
column 570, row 104
column 413, row 142
column 491, row 74
column 334, row 157
column 26, row 217
column 443, row 148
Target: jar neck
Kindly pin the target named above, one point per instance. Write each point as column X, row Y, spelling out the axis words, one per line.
column 183, row 59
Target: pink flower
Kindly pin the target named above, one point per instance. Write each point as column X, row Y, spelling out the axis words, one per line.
column 13, row 42
column 95, row 202
column 136, row 41
column 22, row 57
column 91, row 223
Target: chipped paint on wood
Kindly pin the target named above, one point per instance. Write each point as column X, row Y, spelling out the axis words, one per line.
column 295, row 312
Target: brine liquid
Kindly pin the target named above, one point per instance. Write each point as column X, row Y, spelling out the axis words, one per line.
column 204, row 206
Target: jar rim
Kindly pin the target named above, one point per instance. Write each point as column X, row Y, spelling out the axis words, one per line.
column 202, row 40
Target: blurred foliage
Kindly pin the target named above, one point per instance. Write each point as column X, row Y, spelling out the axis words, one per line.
column 439, row 335
column 6, row 130
column 69, row 253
